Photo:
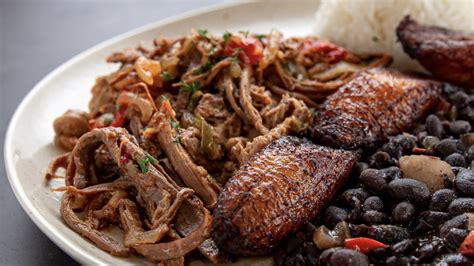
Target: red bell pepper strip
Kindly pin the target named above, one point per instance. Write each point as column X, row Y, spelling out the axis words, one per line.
column 467, row 246
column 363, row 244
column 325, row 51
column 120, row 119
column 248, row 49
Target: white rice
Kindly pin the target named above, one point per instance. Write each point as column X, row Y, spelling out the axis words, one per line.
column 369, row 25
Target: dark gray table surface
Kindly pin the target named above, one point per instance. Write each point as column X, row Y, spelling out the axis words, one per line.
column 35, row 38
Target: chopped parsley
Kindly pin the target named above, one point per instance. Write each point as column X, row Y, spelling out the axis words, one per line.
column 192, row 88
column 174, row 124
column 203, row 68
column 143, row 163
column 260, row 36
column 375, row 38
column 176, row 139
column 245, row 33
column 164, row 98
column 226, row 37
column 235, row 60
column 166, row 75
column 204, row 33
column 108, row 121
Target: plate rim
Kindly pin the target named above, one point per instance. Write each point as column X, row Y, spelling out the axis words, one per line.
column 65, row 244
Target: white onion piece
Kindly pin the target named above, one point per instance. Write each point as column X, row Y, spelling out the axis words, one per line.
column 427, row 169
column 143, row 105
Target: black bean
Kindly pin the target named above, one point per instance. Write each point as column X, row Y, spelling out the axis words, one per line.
column 374, row 217
column 393, row 149
column 403, row 212
column 373, row 179
column 464, row 182
column 295, row 260
column 447, row 147
column 434, row 126
column 409, row 189
column 399, row 145
column 429, row 142
column 379, row 255
column 459, row 221
column 470, row 154
column 459, row 127
column 460, row 99
column 311, row 252
column 360, row 166
column 391, row 173
column 457, row 169
column 454, row 260
column 430, row 250
column 358, row 230
column 397, row 261
column 449, row 89
column 467, row 113
column 388, row 234
column 380, row 159
column 355, row 215
column 441, row 199
column 456, row 159
column 334, row 215
column 421, row 136
column 454, row 238
column 354, row 197
column 418, row 129
column 373, row 203
column 406, row 141
column 342, row 256
column 292, row 244
column 461, row 205
column 377, row 180
column 405, row 246
column 429, row 220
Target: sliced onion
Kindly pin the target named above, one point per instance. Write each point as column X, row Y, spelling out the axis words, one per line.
column 147, row 69
column 143, row 105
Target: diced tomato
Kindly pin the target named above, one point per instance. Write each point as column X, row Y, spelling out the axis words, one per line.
column 248, row 49
column 124, row 158
column 93, row 124
column 363, row 244
column 467, row 246
column 120, row 119
column 325, row 51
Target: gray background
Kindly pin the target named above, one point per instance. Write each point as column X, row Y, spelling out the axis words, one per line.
column 35, row 38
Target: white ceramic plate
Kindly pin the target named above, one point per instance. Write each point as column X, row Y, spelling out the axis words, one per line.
column 28, row 144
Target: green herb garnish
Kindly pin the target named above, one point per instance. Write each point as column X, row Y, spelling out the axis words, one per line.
column 375, row 38
column 164, row 98
column 203, row 68
column 245, row 33
column 226, row 37
column 174, row 124
column 260, row 36
column 235, row 60
column 176, row 139
column 166, row 75
column 143, row 163
column 193, row 87
column 204, row 33
column 108, row 121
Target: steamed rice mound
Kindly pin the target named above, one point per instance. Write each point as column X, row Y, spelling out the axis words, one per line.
column 369, row 25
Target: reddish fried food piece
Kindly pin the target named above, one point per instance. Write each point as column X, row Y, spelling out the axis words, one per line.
column 447, row 54
column 376, row 104
column 281, row 188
